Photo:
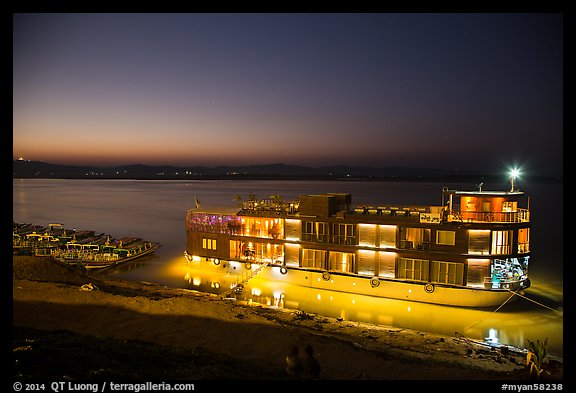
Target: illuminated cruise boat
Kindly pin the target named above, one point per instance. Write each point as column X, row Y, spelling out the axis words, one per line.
column 472, row 250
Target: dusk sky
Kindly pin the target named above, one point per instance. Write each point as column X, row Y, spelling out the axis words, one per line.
column 470, row 91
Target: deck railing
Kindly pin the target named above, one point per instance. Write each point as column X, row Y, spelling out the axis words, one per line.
column 522, row 215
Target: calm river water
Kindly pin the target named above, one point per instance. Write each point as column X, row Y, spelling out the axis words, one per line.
column 156, row 210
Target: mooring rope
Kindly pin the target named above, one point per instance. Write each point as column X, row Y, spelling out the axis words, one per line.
column 499, row 307
column 534, row 301
column 506, row 301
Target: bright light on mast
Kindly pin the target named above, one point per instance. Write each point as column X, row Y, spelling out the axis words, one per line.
column 514, row 173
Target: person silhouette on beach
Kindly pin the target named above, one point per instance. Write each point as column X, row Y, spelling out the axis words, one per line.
column 311, row 364
column 294, row 362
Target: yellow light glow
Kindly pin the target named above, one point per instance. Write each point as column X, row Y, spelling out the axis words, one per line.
column 234, row 265
column 492, row 336
column 479, row 231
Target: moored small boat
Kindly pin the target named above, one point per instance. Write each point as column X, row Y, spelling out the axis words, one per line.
column 85, row 248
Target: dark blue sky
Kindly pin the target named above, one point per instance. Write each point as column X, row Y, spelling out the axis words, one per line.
column 471, row 91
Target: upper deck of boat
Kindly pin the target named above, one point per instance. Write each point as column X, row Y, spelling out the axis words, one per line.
column 474, row 206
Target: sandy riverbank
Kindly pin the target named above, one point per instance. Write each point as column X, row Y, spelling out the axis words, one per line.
column 221, row 338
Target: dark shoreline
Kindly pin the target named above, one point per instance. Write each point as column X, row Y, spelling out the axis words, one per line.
column 444, row 179
column 25, row 169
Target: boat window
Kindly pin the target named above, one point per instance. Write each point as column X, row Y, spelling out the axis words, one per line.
column 524, row 240
column 386, row 264
column 342, row 261
column 509, row 207
column 366, row 262
column 367, row 235
column 413, row 269
column 313, row 258
column 344, row 234
column 478, row 270
column 414, row 238
column 235, row 249
column 479, row 241
column 293, row 229
column 292, row 256
column 256, row 251
column 501, row 242
column 447, row 238
column 209, row 244
column 315, row 231
column 387, row 236
column 447, row 272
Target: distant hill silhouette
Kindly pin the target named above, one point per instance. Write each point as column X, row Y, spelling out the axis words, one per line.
column 38, row 169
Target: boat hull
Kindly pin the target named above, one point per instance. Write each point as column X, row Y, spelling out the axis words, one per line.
column 394, row 289
column 371, row 286
column 95, row 264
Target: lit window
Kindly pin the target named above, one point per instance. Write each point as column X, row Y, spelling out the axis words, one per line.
column 447, row 272
column 501, row 242
column 524, row 240
column 413, row 269
column 209, row 244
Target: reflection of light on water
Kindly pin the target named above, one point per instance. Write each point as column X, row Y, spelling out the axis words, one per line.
column 492, row 336
column 196, row 280
column 279, row 299
column 432, row 318
column 507, row 326
column 216, row 280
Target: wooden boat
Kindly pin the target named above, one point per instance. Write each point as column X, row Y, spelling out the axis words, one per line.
column 29, row 239
column 85, row 248
column 107, row 255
